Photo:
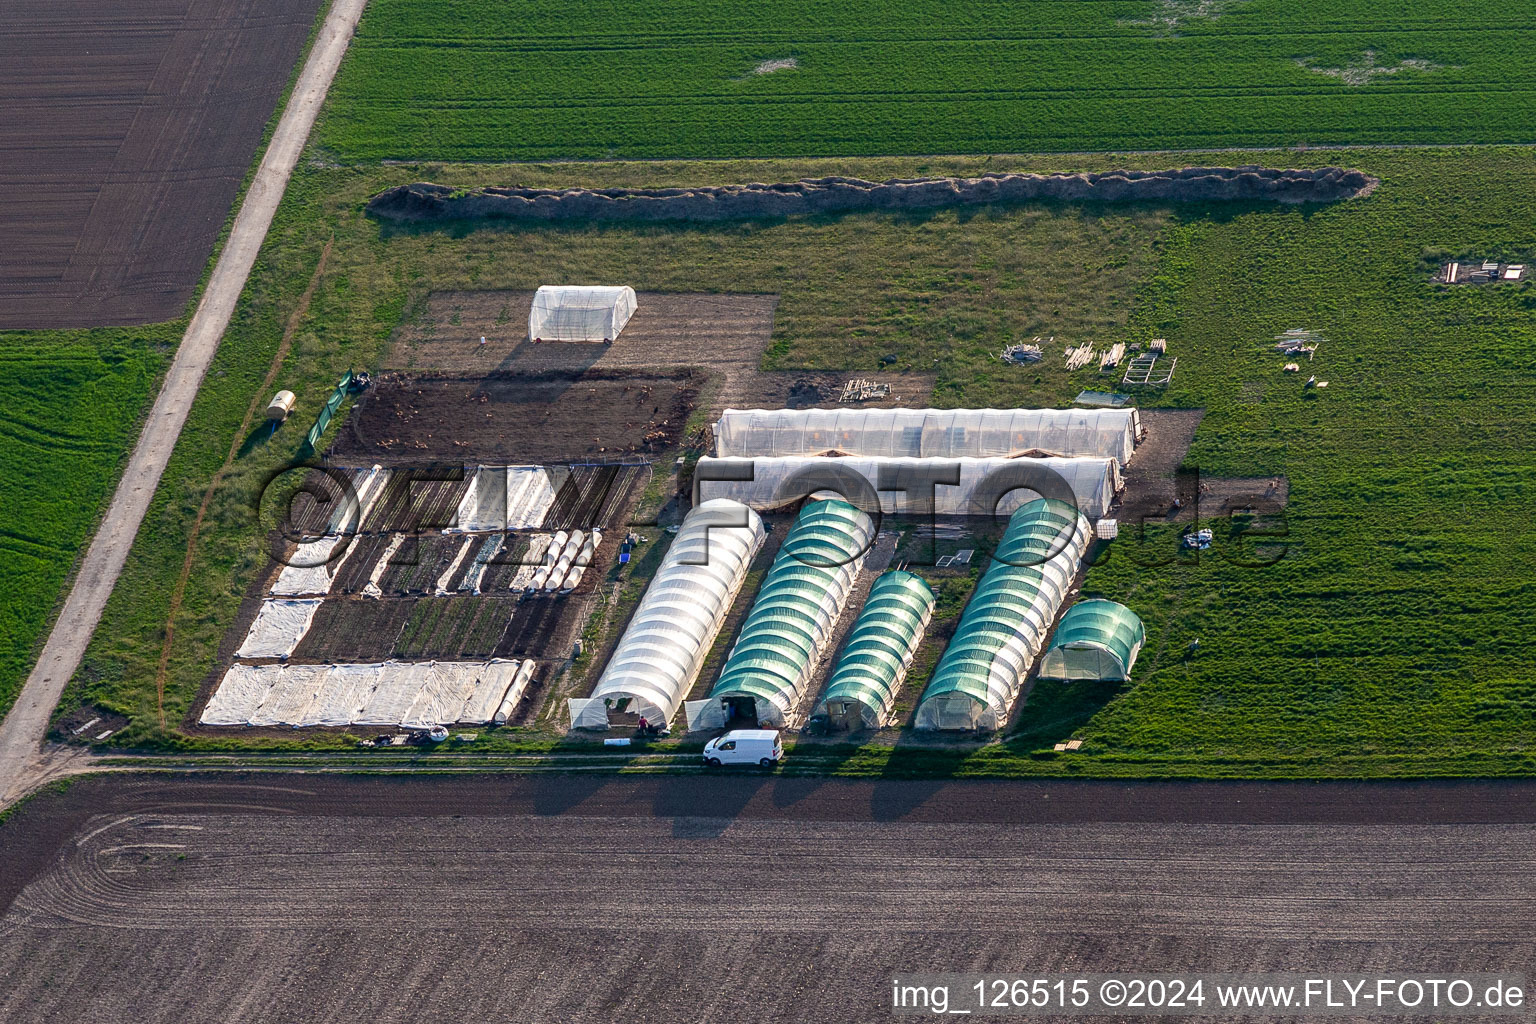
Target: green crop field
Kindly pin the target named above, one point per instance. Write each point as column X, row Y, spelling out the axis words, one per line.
column 70, row 406
column 468, row 80
column 1391, row 636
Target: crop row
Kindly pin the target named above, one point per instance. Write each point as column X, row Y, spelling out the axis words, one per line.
column 484, row 81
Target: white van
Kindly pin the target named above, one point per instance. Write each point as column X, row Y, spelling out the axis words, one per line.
column 745, row 746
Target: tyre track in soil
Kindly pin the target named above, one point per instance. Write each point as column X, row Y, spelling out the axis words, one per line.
column 22, row 767
column 601, row 900
column 229, row 460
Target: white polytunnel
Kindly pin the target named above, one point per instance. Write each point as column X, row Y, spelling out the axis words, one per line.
column 791, row 621
column 391, row 693
column 659, row 656
column 928, row 433
column 1006, row 621
column 963, row 486
column 580, row 312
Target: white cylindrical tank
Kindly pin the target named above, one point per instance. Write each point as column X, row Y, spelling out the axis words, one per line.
column 281, row 405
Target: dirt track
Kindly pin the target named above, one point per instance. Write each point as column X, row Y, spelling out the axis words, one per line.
column 602, row 899
column 23, row 729
column 128, row 130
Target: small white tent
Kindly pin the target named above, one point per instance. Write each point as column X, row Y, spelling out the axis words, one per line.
column 578, row 313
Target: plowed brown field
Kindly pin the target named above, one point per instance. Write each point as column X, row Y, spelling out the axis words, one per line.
column 128, row 129
column 561, row 898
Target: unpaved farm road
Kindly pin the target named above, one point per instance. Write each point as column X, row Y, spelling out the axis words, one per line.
column 745, row 898
column 22, row 732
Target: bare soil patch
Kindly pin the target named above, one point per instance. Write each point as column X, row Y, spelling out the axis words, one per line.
column 768, row 67
column 128, row 130
column 1153, row 481
column 518, row 419
column 723, row 336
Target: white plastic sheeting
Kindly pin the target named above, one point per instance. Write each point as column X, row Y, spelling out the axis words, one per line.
column 448, row 686
column 453, row 567
column 665, row 643
column 310, row 570
column 240, row 693
column 280, row 624
column 341, row 699
column 505, row 498
column 354, row 512
column 398, row 687
column 488, row 551
column 371, row 588
column 289, row 700
column 415, row 695
column 314, row 563
column 352, row 508
column 580, row 313
column 928, row 433
column 491, row 685
column 993, row 486
column 534, row 562
column 483, row 507
column 530, row 493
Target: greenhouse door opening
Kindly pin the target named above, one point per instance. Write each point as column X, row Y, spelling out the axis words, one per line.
column 844, row 715
column 740, row 712
column 624, row 717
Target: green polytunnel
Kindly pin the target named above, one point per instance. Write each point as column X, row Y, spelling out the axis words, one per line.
column 787, row 630
column 1006, row 622
column 1096, row 640
column 880, row 647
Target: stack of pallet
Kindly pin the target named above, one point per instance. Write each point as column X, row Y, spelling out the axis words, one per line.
column 862, row 390
column 1020, row 354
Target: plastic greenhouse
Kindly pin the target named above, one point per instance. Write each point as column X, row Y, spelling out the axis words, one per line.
column 580, row 313
column 928, row 433
column 787, row 630
column 1096, row 640
column 879, row 649
column 1007, row 619
column 986, row 486
column 658, row 657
